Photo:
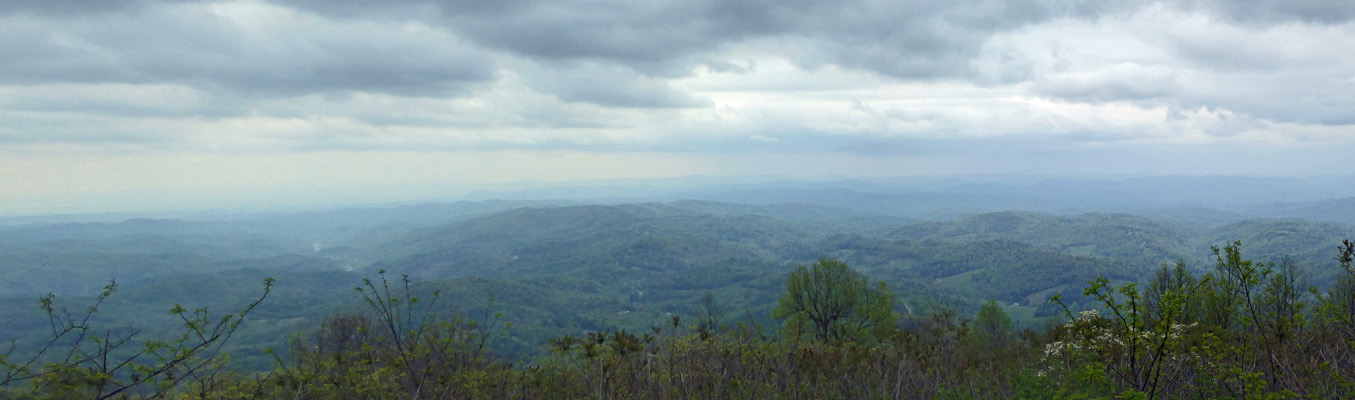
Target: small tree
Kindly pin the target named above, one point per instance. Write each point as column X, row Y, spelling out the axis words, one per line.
column 81, row 361
column 834, row 302
column 709, row 312
column 1129, row 345
column 1337, row 306
column 992, row 326
column 402, row 348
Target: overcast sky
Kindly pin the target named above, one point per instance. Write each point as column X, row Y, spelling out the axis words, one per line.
column 113, row 105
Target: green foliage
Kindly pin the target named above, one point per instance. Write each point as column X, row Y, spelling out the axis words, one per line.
column 671, row 361
column 559, row 270
column 1307, row 243
column 992, row 326
column 1239, row 331
column 999, row 269
column 402, row 349
column 590, row 298
column 831, row 302
column 81, row 361
column 1130, row 239
column 1132, row 349
column 1138, row 344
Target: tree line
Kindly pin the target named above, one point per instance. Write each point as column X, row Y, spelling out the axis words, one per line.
column 1241, row 329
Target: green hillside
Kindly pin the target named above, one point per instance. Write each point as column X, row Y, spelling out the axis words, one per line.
column 1309, row 243
column 1126, row 238
column 551, row 271
column 638, row 238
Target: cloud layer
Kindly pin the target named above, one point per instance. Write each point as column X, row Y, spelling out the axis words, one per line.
column 707, row 78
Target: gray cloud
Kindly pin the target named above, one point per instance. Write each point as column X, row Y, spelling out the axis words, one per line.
column 1118, row 82
column 608, row 85
column 128, row 101
column 67, row 8
column 660, row 39
column 1287, row 71
column 638, row 75
column 256, row 52
column 1269, row 12
column 914, row 39
column 111, row 133
column 924, row 39
column 98, row 95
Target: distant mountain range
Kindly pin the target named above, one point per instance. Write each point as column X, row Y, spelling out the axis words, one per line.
column 570, row 265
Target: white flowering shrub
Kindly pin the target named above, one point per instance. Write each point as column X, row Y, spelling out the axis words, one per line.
column 1123, row 351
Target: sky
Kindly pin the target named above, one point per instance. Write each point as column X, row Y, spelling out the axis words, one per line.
column 139, row 105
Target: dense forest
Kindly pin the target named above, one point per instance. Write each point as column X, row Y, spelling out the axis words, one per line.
column 688, row 299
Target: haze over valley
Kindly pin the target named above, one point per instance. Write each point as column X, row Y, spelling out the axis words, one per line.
column 556, row 261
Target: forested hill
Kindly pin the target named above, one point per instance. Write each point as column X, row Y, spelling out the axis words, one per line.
column 1126, row 238
column 554, row 268
column 657, row 237
column 1334, row 210
column 1305, row 242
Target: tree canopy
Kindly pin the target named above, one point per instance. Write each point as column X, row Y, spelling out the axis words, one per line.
column 832, row 302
